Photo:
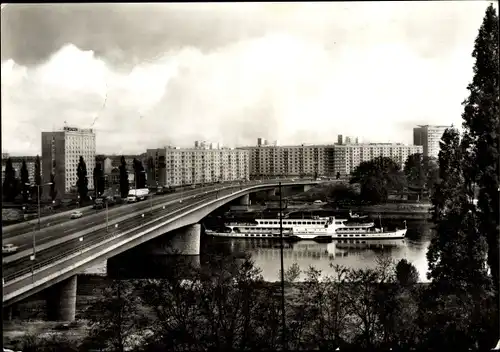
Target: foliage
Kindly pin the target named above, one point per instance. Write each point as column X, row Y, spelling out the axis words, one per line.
column 99, row 178
column 421, row 172
column 139, row 174
column 342, row 193
column 406, row 273
column 82, row 181
column 292, row 273
column 53, row 190
column 25, row 181
column 124, row 187
column 10, row 182
column 55, row 342
column 151, row 170
column 38, row 176
column 481, row 119
column 377, row 178
column 120, row 318
column 456, row 253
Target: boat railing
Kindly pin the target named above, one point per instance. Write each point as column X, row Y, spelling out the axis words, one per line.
column 241, row 224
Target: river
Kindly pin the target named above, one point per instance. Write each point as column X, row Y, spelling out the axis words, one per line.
column 266, row 254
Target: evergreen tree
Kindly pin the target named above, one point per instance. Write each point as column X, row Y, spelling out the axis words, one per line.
column 25, row 180
column 38, row 175
column 139, row 173
column 82, row 181
column 9, row 183
column 481, row 132
column 98, row 179
column 124, row 188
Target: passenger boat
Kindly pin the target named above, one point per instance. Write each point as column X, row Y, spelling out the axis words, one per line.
column 315, row 228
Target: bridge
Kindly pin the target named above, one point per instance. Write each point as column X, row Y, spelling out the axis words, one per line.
column 68, row 248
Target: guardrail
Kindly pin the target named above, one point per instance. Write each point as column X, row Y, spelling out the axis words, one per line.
column 99, row 239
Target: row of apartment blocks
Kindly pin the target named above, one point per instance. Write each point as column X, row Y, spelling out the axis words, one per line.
column 210, row 162
column 321, row 160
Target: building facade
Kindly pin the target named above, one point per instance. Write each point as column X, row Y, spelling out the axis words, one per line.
column 172, row 166
column 61, row 151
column 429, row 136
column 17, row 163
column 320, row 160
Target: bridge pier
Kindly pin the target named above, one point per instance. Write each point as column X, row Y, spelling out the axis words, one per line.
column 245, row 200
column 307, row 187
column 61, row 300
column 271, row 192
column 183, row 241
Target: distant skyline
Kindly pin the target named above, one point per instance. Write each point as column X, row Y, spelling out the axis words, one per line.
column 149, row 75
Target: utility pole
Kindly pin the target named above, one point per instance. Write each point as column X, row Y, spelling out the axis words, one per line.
column 282, row 274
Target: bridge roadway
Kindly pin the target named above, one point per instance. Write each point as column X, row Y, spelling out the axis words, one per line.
column 46, row 234
column 13, row 231
column 23, row 277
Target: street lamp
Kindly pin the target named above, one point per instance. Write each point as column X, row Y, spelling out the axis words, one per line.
column 39, row 226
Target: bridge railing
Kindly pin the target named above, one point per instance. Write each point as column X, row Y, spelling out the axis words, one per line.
column 95, row 240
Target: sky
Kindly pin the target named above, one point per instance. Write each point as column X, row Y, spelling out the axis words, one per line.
column 149, row 75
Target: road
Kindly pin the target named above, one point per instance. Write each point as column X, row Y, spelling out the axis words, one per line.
column 45, row 222
column 21, row 267
column 51, row 231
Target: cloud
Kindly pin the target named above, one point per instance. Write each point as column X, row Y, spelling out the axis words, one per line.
column 278, row 82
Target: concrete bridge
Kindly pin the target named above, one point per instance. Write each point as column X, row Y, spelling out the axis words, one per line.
column 57, row 264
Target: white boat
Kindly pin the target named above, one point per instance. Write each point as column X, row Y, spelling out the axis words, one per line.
column 306, row 229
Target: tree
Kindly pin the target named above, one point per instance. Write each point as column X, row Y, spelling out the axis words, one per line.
column 406, row 273
column 10, row 182
column 377, row 177
column 152, row 170
column 53, row 190
column 99, row 178
column 38, row 176
column 456, row 257
column 456, row 253
column 421, row 172
column 25, row 180
column 118, row 317
column 481, row 119
column 82, row 180
column 124, row 187
column 139, row 173
column 338, row 175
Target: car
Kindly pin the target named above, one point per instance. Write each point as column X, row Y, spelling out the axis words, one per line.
column 76, row 215
column 9, row 248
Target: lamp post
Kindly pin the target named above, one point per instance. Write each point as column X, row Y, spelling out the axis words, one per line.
column 39, row 216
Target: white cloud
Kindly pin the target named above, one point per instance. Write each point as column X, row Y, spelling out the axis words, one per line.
column 281, row 85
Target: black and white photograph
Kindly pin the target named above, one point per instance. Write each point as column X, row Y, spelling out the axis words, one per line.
column 215, row 176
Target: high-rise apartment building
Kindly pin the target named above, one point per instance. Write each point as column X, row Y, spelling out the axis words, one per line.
column 320, row 160
column 17, row 163
column 172, row 166
column 61, row 151
column 428, row 137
